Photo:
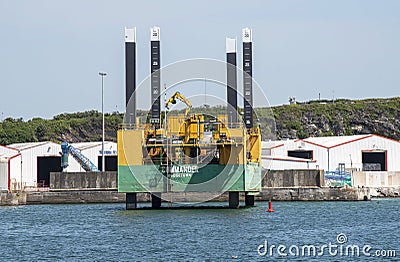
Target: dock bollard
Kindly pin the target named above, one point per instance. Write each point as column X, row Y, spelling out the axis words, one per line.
column 270, row 210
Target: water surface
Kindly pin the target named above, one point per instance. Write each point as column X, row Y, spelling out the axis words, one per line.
column 108, row 232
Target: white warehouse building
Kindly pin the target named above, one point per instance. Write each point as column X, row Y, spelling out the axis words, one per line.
column 37, row 160
column 359, row 152
column 28, row 165
column 9, row 157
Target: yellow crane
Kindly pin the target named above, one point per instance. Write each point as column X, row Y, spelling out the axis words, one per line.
column 177, row 95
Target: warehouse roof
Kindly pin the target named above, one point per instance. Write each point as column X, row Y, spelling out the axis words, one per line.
column 6, row 148
column 87, row 145
column 325, row 142
column 8, row 155
column 80, row 146
column 276, row 143
column 333, row 141
column 24, row 146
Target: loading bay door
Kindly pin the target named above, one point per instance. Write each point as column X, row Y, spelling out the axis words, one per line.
column 111, row 163
column 374, row 160
column 45, row 165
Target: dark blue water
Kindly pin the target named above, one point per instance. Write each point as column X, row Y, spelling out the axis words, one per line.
column 108, row 232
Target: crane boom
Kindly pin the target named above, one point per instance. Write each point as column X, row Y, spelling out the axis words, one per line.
column 177, row 95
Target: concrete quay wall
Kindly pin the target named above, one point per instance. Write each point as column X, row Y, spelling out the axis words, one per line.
column 378, row 179
column 101, row 187
column 314, row 194
column 275, row 194
column 12, row 199
column 112, row 196
column 84, row 180
column 109, row 180
column 74, row 197
column 293, row 178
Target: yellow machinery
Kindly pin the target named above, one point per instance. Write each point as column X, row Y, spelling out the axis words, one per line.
column 190, row 153
column 177, row 95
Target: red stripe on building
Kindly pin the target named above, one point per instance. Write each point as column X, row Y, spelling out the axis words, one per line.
column 9, row 170
column 351, row 141
column 273, row 147
column 9, row 147
column 391, row 139
column 288, row 159
column 315, row 144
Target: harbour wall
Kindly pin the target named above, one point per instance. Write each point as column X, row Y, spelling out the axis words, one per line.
column 293, row 178
column 75, row 197
column 376, row 179
column 315, row 194
column 109, row 180
column 83, row 180
column 280, row 185
column 12, row 199
column 110, row 196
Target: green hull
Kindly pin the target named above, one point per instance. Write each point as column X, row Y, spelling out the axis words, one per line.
column 189, row 178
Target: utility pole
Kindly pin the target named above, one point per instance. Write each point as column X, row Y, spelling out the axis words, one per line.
column 103, row 164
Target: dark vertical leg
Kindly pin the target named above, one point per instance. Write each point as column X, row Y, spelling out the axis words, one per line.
column 130, row 75
column 156, row 200
column 231, row 79
column 249, row 200
column 155, row 75
column 131, row 201
column 233, row 199
column 247, row 77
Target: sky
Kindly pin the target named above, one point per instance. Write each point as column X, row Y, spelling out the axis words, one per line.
column 51, row 51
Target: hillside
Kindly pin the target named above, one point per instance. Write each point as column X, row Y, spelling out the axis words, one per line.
column 343, row 117
column 314, row 118
column 75, row 127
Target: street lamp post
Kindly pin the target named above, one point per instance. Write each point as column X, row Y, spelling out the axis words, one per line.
column 103, row 164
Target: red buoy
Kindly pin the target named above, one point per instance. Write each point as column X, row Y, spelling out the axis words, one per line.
column 270, row 207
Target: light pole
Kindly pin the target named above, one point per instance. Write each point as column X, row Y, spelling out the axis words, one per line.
column 103, row 164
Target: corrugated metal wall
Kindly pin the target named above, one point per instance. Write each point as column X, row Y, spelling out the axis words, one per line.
column 3, row 174
column 350, row 153
column 29, row 161
column 319, row 154
column 15, row 173
column 31, row 151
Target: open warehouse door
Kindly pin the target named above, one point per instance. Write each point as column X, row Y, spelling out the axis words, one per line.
column 45, row 165
column 374, row 160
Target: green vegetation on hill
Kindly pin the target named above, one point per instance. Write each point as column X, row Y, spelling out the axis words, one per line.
column 338, row 118
column 314, row 118
column 75, row 127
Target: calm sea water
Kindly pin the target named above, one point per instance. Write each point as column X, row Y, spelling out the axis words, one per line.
column 108, row 232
